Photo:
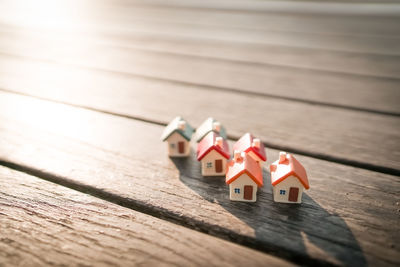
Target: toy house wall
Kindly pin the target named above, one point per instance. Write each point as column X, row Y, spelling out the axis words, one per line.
column 286, row 184
column 210, row 158
column 239, row 183
column 173, row 147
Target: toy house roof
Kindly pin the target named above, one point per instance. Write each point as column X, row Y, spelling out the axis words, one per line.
column 245, row 144
column 209, row 143
column 287, row 167
column 208, row 126
column 244, row 164
column 176, row 126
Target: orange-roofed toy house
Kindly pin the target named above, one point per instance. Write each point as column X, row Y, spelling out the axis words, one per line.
column 288, row 178
column 178, row 134
column 213, row 153
column 252, row 146
column 243, row 176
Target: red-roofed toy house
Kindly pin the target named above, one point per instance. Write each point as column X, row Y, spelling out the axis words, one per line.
column 288, row 179
column 252, row 146
column 244, row 176
column 213, row 153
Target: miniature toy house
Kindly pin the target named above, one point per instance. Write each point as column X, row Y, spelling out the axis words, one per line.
column 178, row 134
column 244, row 176
column 213, row 152
column 252, row 146
column 209, row 125
column 288, row 178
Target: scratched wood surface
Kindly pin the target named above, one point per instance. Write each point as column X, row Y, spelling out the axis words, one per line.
column 320, row 131
column 268, row 55
column 126, row 163
column 317, row 79
column 302, row 71
column 77, row 229
column 263, row 80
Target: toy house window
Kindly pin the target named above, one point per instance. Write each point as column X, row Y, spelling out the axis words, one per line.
column 172, row 145
column 282, row 192
column 209, row 164
column 237, row 190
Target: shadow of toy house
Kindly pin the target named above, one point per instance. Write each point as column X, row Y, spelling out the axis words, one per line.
column 305, row 233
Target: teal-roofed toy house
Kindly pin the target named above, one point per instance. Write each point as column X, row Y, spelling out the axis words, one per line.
column 178, row 134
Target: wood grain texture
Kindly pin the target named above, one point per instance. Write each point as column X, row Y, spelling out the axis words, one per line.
column 315, row 84
column 349, row 217
column 310, row 85
column 299, row 7
column 323, row 132
column 374, row 21
column 47, row 224
column 366, row 44
column 384, row 66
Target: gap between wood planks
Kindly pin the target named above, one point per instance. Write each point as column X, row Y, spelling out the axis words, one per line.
column 175, row 36
column 211, row 87
column 265, row 64
column 36, row 213
column 348, row 162
column 160, row 213
column 372, row 51
column 286, row 7
column 235, row 19
column 224, row 59
column 104, row 154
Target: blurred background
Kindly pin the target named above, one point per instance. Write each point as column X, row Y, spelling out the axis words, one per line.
column 307, row 76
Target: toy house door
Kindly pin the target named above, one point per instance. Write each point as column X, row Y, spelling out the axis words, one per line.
column 181, row 147
column 218, row 165
column 293, row 194
column 248, row 192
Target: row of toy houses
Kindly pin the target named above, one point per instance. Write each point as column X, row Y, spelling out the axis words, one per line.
column 244, row 172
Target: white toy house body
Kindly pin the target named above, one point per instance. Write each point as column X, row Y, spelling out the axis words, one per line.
column 178, row 146
column 213, row 153
column 288, row 179
column 178, row 134
column 243, row 176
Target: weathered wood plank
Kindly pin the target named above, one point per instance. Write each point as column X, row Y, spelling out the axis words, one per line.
column 300, row 7
column 349, row 217
column 384, row 66
column 372, row 23
column 348, row 21
column 319, row 131
column 314, row 86
column 47, row 224
column 98, row 19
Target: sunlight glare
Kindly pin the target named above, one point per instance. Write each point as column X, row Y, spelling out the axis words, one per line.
column 44, row 14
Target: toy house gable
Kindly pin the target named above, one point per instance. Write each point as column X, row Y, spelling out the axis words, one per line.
column 213, row 164
column 178, row 146
column 289, row 190
column 243, row 189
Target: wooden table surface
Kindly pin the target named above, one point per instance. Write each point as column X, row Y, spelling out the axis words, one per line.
column 86, row 88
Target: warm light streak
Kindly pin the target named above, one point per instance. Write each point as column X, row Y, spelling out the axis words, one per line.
column 44, row 14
